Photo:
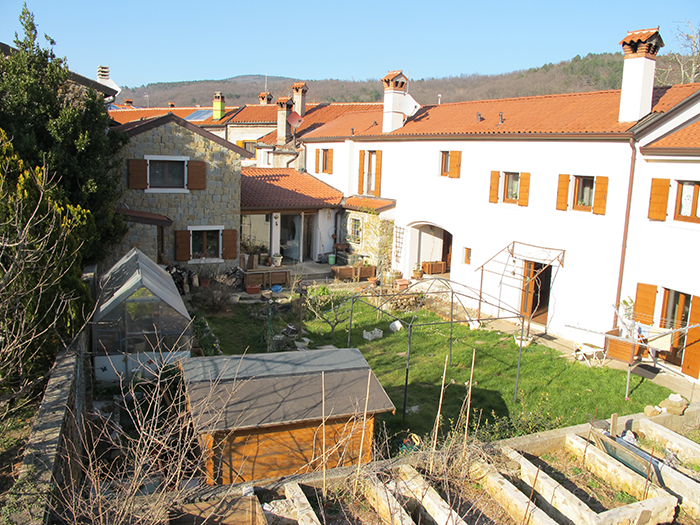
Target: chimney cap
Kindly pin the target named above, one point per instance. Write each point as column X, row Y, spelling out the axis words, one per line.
column 103, row 72
column 642, row 42
column 218, row 95
column 300, row 86
column 129, row 101
column 395, row 80
column 283, row 102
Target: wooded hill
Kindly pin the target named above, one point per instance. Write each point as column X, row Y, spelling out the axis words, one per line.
column 593, row 72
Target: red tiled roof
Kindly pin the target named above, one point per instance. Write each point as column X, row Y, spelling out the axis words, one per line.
column 357, row 202
column 687, row 138
column 319, row 114
column 133, row 114
column 263, row 113
column 573, row 113
column 640, row 35
column 285, row 188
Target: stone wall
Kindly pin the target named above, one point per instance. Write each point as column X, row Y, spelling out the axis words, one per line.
column 218, row 204
column 376, row 240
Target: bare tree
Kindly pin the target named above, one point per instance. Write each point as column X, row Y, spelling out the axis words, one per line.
column 328, row 306
column 684, row 66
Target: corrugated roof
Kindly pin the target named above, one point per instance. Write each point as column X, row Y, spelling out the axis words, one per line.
column 285, row 188
column 573, row 113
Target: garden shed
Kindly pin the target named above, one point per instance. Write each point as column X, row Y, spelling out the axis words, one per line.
column 276, row 414
column 140, row 322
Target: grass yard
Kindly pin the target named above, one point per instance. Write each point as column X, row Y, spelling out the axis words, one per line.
column 552, row 392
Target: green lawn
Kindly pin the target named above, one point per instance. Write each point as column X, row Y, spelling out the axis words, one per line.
column 552, row 391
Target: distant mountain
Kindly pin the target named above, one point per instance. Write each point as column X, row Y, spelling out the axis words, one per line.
column 593, row 72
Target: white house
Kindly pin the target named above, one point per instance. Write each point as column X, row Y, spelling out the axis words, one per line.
column 540, row 202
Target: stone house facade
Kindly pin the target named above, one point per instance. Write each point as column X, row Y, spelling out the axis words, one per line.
column 182, row 193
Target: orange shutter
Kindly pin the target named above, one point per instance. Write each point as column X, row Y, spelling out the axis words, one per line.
column 330, row 162
column 196, row 175
column 318, row 153
column 563, row 193
column 240, row 144
column 600, row 196
column 138, row 174
column 493, row 190
column 182, row 245
column 691, row 357
column 455, row 164
column 229, row 241
column 361, row 185
column 378, row 175
column 524, row 190
column 644, row 303
column 658, row 202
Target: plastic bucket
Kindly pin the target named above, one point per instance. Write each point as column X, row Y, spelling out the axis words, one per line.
column 331, row 259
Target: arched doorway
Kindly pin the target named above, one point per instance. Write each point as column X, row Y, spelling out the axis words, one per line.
column 429, row 243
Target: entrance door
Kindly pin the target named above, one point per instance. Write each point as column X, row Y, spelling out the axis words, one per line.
column 691, row 354
column 537, row 282
column 447, row 249
column 675, row 313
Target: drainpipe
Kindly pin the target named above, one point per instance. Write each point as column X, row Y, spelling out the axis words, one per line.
column 626, row 230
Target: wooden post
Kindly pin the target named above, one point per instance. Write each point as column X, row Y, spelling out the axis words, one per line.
column 362, row 439
column 613, row 426
column 436, row 427
column 323, row 427
column 469, row 401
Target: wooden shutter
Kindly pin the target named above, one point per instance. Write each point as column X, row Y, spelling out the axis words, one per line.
column 563, row 193
column 644, row 303
column 182, row 245
column 361, row 185
column 196, row 175
column 600, row 195
column 455, row 164
column 318, row 154
column 524, row 190
column 240, row 144
column 330, row 162
column 658, row 201
column 493, row 190
column 229, row 241
column 138, row 174
column 691, row 357
column 378, row 175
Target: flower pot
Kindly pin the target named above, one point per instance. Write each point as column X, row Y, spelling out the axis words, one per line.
column 372, row 282
column 252, row 289
column 417, row 274
column 277, row 260
column 204, row 282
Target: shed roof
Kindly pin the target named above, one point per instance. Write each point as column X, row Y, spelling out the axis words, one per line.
column 130, row 273
column 265, row 390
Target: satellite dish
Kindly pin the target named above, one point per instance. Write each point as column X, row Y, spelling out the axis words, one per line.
column 409, row 106
column 294, row 119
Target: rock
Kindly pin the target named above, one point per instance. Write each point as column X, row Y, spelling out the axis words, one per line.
column 651, row 411
column 674, row 407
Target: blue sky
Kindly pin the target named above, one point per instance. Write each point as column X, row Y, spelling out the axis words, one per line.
column 157, row 41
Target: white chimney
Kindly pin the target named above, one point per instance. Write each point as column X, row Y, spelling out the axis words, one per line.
column 640, row 48
column 299, row 89
column 265, row 98
column 394, row 92
column 284, row 128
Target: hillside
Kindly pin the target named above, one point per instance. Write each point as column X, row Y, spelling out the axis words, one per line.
column 590, row 73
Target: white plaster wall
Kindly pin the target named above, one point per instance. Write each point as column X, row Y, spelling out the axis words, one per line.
column 256, row 227
column 235, row 133
column 324, row 228
column 343, row 153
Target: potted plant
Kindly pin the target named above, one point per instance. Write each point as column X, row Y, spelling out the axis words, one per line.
column 417, row 271
column 277, row 259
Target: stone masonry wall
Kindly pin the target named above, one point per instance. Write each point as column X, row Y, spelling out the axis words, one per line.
column 218, row 204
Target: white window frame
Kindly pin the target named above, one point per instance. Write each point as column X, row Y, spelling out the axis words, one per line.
column 205, row 260
column 175, row 158
column 370, row 172
column 351, row 238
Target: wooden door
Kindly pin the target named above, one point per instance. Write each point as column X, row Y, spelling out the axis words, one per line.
column 447, row 249
column 691, row 355
column 674, row 315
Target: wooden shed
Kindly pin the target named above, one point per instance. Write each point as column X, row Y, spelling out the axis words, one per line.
column 265, row 415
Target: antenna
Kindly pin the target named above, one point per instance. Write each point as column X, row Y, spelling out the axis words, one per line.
column 266, row 82
column 439, row 98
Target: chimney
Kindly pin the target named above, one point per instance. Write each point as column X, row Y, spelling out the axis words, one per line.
column 300, row 89
column 219, row 106
column 102, row 72
column 129, row 101
column 171, row 104
column 394, row 91
column 284, row 128
column 640, row 48
column 265, row 98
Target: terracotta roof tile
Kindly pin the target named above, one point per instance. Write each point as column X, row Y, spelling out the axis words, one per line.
column 357, row 202
column 256, row 113
column 573, row 113
column 285, row 188
column 640, row 35
column 685, row 138
column 133, row 114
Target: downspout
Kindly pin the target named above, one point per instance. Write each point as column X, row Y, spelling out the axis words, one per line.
column 626, row 229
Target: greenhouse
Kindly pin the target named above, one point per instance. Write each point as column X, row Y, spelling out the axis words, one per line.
column 140, row 322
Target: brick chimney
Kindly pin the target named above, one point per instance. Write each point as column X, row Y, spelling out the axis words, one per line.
column 265, row 98
column 284, row 128
column 219, row 106
column 394, row 91
column 640, row 48
column 300, row 89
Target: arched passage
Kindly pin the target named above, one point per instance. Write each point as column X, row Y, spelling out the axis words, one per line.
column 429, row 242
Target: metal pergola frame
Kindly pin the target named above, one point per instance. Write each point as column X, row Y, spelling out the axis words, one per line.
column 439, row 287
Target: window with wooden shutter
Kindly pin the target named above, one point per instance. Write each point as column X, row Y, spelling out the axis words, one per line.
column 378, row 175
column 137, row 174
column 467, row 255
column 493, row 189
column 361, row 184
column 330, row 161
column 318, row 154
column 688, row 202
column 455, row 164
column 327, row 161
column 182, row 245
column 229, row 240
column 691, row 357
column 444, row 163
column 658, row 201
column 601, row 195
column 197, row 175
column 563, row 192
column 645, row 303
column 524, row 195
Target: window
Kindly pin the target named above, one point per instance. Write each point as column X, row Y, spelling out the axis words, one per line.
column 515, row 188
column 687, row 205
column 206, row 244
column 467, row 256
column 450, row 164
column 370, row 178
column 590, row 194
column 166, row 174
column 355, row 231
column 249, row 145
column 199, row 244
column 324, row 161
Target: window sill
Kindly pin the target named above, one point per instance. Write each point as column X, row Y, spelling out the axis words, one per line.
column 511, row 201
column 167, row 190
column 212, row 260
column 683, row 218
column 581, row 207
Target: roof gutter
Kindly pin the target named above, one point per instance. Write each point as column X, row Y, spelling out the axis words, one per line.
column 613, row 136
column 625, row 231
